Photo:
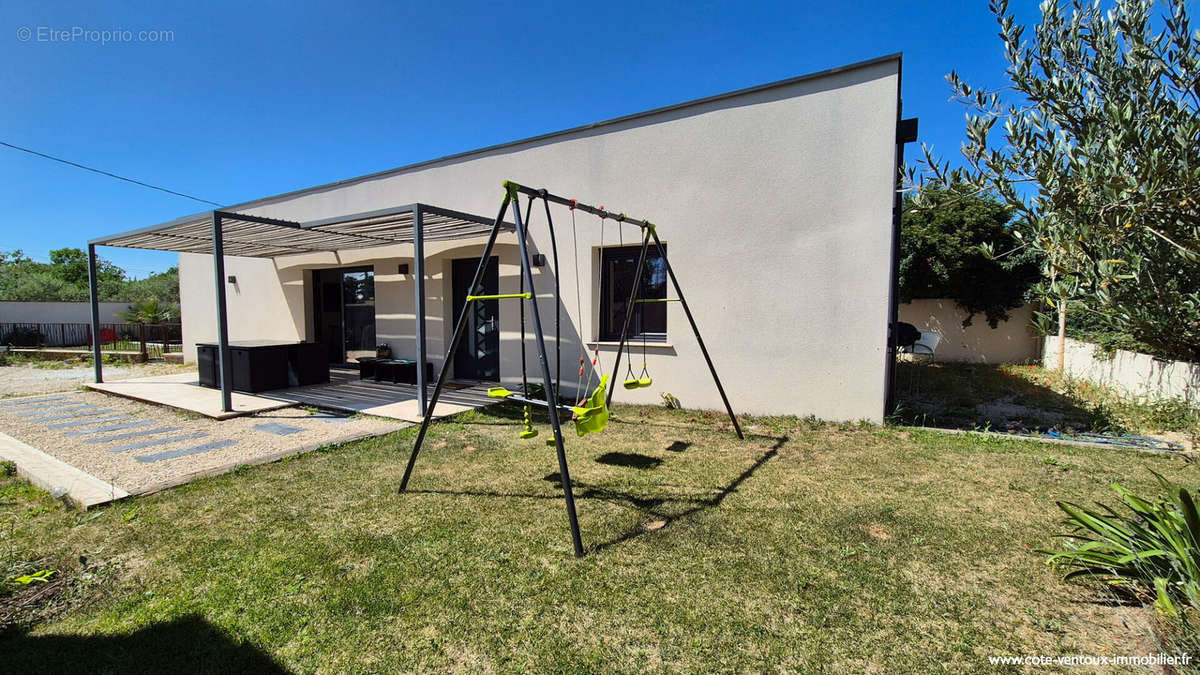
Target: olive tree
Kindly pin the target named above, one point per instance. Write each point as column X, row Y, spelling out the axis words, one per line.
column 1095, row 145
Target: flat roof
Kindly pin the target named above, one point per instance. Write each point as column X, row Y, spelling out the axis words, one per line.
column 897, row 57
column 254, row 236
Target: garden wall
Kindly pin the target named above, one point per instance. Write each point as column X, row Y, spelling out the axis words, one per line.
column 1012, row 341
column 59, row 312
column 1130, row 372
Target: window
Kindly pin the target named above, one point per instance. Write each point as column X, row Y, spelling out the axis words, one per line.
column 618, row 266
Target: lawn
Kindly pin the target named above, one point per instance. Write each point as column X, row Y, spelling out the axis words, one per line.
column 806, row 545
column 1025, row 398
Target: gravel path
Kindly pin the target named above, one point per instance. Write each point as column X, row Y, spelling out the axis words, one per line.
column 125, row 455
column 25, row 379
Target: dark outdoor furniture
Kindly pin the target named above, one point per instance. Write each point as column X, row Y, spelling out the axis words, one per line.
column 366, row 366
column 400, row 371
column 263, row 365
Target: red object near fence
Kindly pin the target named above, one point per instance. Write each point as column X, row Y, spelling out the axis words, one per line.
column 107, row 336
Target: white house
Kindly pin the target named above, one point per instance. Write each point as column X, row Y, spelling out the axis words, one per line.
column 775, row 204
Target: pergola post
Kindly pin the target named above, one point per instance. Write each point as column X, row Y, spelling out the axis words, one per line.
column 419, row 303
column 94, row 297
column 226, row 365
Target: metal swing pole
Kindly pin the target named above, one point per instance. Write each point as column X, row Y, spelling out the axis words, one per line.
column 557, row 297
column 551, row 395
column 637, row 284
column 459, row 329
column 699, row 340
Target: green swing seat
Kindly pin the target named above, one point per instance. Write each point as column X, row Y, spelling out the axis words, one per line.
column 592, row 416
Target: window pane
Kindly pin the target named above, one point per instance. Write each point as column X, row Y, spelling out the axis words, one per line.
column 617, row 270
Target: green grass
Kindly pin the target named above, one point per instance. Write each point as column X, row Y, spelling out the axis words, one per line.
column 804, row 547
column 1018, row 397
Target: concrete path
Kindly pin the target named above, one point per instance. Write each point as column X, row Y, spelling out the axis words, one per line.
column 83, row 489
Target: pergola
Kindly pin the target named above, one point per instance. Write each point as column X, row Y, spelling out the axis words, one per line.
column 226, row 233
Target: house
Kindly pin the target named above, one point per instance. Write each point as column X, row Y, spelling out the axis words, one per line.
column 775, row 205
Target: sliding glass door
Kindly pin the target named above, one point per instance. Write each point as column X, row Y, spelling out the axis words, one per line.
column 358, row 313
column 344, row 306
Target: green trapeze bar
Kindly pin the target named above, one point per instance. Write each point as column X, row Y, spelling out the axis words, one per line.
column 502, row 296
column 656, row 300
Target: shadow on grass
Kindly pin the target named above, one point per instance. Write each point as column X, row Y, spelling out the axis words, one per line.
column 632, row 460
column 979, row 396
column 648, row 506
column 186, row 645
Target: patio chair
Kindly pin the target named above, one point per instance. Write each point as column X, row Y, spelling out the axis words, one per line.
column 926, row 345
column 921, row 352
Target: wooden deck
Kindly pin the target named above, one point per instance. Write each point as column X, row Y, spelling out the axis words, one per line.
column 346, row 392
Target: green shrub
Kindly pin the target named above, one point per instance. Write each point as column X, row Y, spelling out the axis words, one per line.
column 23, row 336
column 1152, row 551
column 8, row 468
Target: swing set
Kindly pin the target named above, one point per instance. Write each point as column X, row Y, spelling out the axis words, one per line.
column 590, row 414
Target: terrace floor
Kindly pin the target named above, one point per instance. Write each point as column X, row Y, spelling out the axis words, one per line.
column 344, row 392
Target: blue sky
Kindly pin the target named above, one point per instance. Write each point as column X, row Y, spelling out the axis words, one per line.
column 248, row 99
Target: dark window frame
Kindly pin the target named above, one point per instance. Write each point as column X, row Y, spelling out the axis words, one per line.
column 650, row 319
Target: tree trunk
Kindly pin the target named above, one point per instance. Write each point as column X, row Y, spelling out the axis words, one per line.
column 1062, row 335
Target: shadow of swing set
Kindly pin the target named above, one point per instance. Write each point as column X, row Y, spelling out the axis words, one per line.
column 591, row 414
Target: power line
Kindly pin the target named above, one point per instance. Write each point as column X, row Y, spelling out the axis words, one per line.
column 106, row 173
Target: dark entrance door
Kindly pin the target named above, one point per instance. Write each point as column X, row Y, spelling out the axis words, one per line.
column 478, row 356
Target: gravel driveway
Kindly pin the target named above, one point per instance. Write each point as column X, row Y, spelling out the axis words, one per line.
column 26, row 379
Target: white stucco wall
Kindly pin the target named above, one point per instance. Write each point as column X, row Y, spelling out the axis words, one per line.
column 775, row 207
column 1132, row 373
column 59, row 312
column 1012, row 341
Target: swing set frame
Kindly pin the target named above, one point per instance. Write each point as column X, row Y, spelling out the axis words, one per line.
column 512, row 192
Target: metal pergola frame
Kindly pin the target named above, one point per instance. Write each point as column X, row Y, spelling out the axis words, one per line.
column 221, row 233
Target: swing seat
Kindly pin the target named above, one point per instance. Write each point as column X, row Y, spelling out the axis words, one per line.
column 645, row 381
column 527, row 433
column 550, row 441
column 631, row 383
column 592, row 417
column 498, row 392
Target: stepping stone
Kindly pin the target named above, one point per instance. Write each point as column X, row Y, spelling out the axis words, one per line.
column 84, row 423
column 83, row 411
column 131, row 434
column 278, row 429
column 38, row 406
column 27, row 401
column 111, row 427
column 195, row 449
column 158, row 441
column 332, row 419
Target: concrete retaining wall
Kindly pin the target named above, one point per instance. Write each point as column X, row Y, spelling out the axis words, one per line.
column 59, row 312
column 1129, row 372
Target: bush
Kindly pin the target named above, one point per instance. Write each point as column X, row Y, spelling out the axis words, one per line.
column 23, row 336
column 1151, row 552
